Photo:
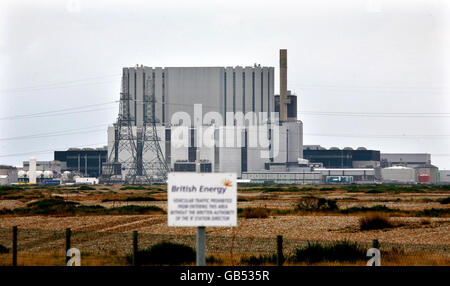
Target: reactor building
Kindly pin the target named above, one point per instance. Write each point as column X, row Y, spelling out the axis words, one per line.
column 222, row 119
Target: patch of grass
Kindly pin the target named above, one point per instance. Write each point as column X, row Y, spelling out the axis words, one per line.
column 336, row 251
column 141, row 199
column 259, row 260
column 61, row 207
column 375, row 221
column 3, row 249
column 242, row 199
column 86, row 188
column 134, row 210
column 132, row 199
column 253, row 212
column 133, row 188
column 377, row 208
column 433, row 212
column 14, row 197
column 165, row 253
column 373, row 191
column 9, row 188
column 445, row 201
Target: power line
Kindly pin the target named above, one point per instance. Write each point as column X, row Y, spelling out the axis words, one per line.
column 50, row 151
column 58, row 111
column 394, row 136
column 55, row 133
column 62, row 84
column 385, row 115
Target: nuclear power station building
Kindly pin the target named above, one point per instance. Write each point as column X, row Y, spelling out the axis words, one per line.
column 224, row 119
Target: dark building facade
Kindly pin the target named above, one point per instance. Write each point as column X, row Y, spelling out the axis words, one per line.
column 87, row 162
column 343, row 158
column 291, row 107
column 183, row 166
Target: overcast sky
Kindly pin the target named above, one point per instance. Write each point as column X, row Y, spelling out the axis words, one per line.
column 365, row 57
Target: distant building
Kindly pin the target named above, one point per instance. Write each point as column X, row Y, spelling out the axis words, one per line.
column 8, row 175
column 399, row 174
column 54, row 166
column 427, row 174
column 86, row 162
column 444, row 177
column 412, row 160
column 342, row 158
column 366, row 175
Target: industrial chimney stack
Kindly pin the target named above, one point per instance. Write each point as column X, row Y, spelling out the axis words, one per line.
column 283, row 85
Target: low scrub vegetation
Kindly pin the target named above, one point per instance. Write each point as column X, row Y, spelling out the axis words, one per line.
column 262, row 259
column 433, row 212
column 336, row 251
column 377, row 208
column 133, row 199
column 375, row 221
column 85, row 188
column 254, row 212
column 3, row 249
column 212, row 260
column 61, row 207
column 311, row 203
column 133, row 188
column 165, row 253
column 445, row 201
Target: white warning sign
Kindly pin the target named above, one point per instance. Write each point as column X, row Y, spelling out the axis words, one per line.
column 202, row 199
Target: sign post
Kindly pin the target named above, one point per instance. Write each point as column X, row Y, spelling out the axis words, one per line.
column 201, row 200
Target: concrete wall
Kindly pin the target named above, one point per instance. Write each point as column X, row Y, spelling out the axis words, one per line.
column 218, row 89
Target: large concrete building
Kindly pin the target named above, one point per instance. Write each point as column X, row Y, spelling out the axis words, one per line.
column 86, row 162
column 219, row 89
column 405, row 159
column 342, row 158
column 158, row 101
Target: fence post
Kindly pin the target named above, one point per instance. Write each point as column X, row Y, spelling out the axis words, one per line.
column 68, row 233
column 280, row 257
column 14, row 246
column 135, row 247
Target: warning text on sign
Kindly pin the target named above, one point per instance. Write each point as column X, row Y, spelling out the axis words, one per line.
column 210, row 201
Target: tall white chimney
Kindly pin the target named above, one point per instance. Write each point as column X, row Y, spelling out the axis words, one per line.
column 32, row 173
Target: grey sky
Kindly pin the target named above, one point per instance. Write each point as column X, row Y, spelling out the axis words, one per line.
column 343, row 56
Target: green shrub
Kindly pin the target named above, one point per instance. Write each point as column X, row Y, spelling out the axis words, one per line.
column 165, row 253
column 13, row 197
column 433, row 212
column 133, row 188
column 47, row 206
column 254, row 212
column 259, row 260
column 375, row 221
column 9, row 188
column 311, row 203
column 3, row 249
column 85, row 188
column 336, row 251
column 445, row 201
column 373, row 191
column 61, row 207
column 377, row 208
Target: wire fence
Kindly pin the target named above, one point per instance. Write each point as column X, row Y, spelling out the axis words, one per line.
column 32, row 243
